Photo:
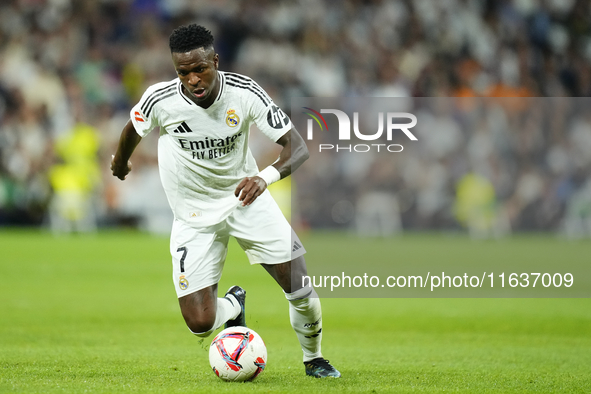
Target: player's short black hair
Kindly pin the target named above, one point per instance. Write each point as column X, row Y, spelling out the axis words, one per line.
column 186, row 38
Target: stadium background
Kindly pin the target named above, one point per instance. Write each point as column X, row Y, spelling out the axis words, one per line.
column 70, row 71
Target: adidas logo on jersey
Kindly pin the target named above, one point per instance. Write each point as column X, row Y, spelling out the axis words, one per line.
column 183, row 128
column 296, row 246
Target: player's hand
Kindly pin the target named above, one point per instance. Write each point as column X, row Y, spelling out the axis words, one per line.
column 118, row 170
column 249, row 189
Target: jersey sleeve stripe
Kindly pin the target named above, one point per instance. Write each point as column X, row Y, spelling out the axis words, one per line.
column 263, row 92
column 249, row 88
column 250, row 82
column 172, row 93
column 238, row 76
column 156, row 94
column 154, row 98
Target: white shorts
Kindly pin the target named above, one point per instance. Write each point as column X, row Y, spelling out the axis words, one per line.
column 198, row 254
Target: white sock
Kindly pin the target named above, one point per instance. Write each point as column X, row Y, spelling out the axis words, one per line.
column 225, row 311
column 305, row 315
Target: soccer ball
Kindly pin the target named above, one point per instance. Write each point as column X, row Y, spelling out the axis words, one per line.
column 237, row 354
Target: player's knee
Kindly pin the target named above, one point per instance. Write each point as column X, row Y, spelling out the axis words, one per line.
column 199, row 311
column 202, row 327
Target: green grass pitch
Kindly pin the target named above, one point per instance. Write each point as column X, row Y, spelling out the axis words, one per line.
column 98, row 314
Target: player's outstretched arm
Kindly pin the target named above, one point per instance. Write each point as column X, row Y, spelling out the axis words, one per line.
column 293, row 154
column 120, row 164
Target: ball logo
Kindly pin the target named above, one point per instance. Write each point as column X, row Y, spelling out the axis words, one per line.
column 276, row 118
column 183, row 283
column 231, row 359
column 232, row 119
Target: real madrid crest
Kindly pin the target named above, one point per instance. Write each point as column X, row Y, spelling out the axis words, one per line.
column 232, row 119
column 183, row 282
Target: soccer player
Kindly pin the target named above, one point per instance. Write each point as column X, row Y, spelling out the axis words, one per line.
column 215, row 190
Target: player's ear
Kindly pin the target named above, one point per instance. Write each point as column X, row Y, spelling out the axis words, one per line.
column 216, row 60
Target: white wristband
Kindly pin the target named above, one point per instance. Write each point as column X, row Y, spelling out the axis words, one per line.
column 270, row 175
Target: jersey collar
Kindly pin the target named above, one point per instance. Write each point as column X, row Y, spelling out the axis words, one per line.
column 179, row 87
column 222, row 84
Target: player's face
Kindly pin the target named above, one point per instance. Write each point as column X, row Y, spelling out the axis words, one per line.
column 197, row 71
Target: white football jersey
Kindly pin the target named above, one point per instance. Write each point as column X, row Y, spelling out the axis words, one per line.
column 203, row 153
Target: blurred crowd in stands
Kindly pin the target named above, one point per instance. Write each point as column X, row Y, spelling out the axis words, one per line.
column 71, row 70
column 490, row 165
